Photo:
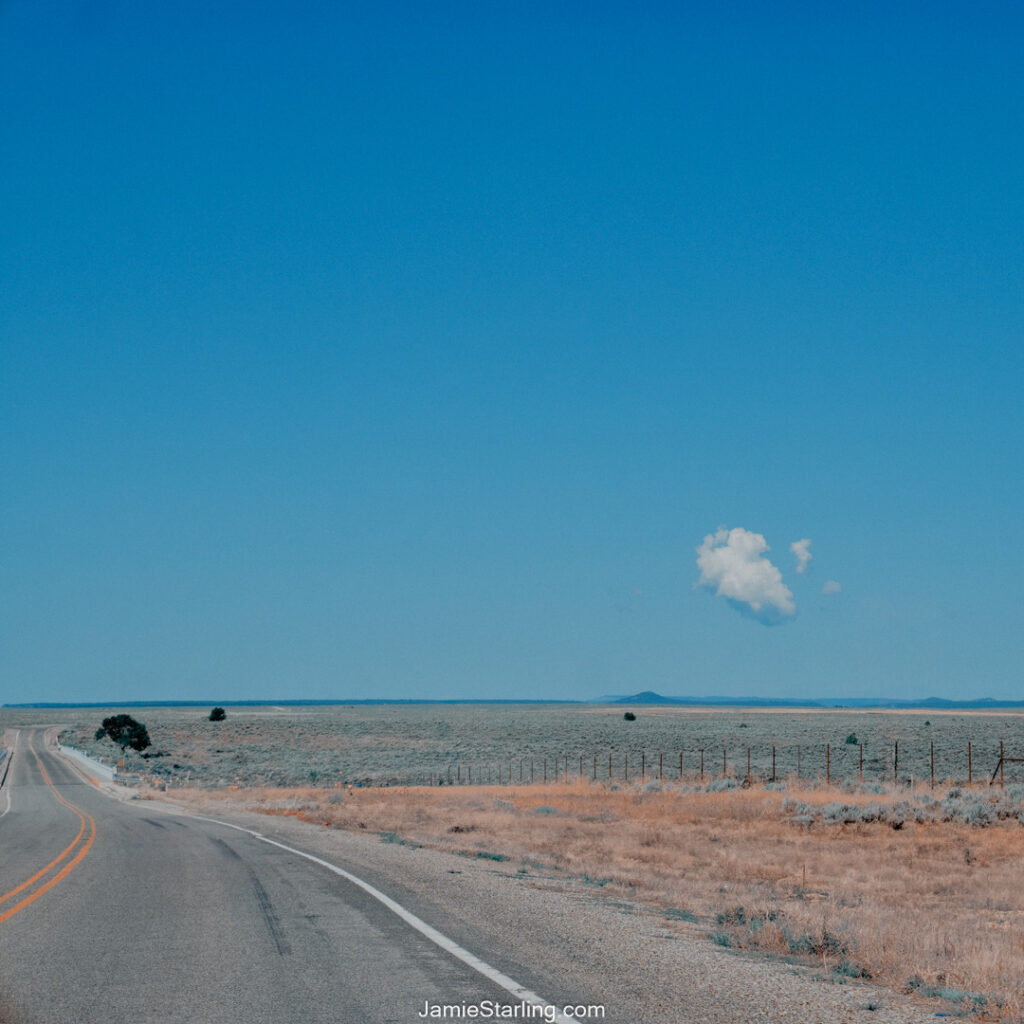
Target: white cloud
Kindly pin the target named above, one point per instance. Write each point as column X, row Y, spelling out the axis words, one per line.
column 831, row 587
column 802, row 550
column 732, row 563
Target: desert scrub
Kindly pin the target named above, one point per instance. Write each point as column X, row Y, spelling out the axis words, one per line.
column 410, row 744
column 933, row 898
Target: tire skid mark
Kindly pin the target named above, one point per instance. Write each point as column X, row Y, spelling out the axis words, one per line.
column 228, row 851
column 270, row 917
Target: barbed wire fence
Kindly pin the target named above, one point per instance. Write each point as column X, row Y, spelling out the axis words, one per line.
column 829, row 763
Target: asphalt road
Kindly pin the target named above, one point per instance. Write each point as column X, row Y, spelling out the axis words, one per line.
column 115, row 912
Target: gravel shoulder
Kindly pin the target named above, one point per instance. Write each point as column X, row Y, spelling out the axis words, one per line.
column 570, row 945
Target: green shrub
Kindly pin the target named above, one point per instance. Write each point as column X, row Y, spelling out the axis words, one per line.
column 125, row 732
column 678, row 914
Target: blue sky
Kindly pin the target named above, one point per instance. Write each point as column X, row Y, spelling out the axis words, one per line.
column 405, row 350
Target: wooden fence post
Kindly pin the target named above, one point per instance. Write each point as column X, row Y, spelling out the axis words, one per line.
column 545, row 769
column 643, row 766
column 724, row 769
column 860, row 770
column 1001, row 786
column 609, row 766
column 970, row 772
column 896, row 761
column 661, row 764
column 702, row 766
column 625, row 767
column 932, row 755
column 798, row 772
column 828, row 764
column 773, row 764
column 680, row 766
column 748, row 766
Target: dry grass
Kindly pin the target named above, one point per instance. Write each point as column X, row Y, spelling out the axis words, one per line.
column 929, row 906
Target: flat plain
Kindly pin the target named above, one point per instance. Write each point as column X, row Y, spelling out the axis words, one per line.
column 878, row 875
column 424, row 743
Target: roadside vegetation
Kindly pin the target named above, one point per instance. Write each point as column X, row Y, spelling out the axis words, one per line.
column 418, row 744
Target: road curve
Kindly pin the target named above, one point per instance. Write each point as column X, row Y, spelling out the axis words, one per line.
column 113, row 912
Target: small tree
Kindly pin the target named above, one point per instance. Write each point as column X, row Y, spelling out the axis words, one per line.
column 629, row 716
column 125, row 732
column 218, row 715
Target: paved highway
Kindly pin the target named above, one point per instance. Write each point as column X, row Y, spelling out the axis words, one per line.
column 115, row 912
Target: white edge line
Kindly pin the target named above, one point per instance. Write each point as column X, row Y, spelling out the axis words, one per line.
column 9, row 760
column 448, row 945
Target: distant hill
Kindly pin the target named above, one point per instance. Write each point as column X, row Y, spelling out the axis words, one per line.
column 647, row 697
column 927, row 703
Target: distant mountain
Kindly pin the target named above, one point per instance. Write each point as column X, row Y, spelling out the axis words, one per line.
column 927, row 703
column 647, row 697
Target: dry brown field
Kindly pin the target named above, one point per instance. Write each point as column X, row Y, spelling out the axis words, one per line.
column 930, row 906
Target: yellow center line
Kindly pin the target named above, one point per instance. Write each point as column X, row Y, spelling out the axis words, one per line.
column 83, row 816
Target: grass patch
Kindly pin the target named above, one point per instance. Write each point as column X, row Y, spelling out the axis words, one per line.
column 679, row 914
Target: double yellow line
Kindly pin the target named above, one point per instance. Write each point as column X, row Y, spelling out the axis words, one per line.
column 70, row 857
